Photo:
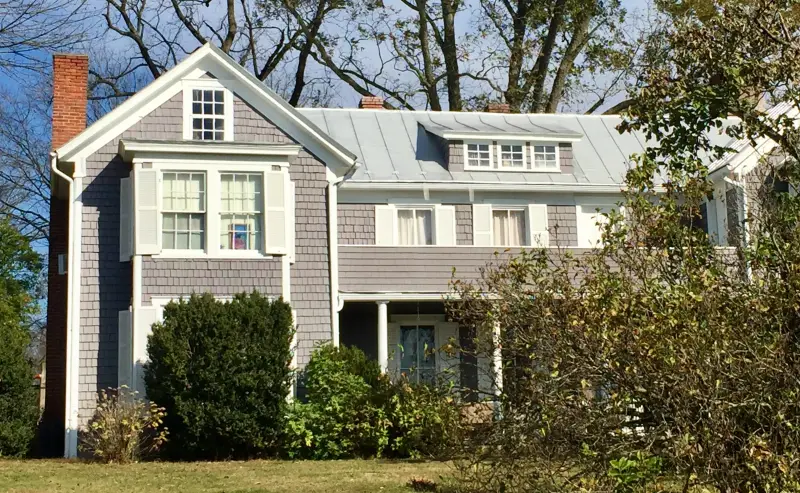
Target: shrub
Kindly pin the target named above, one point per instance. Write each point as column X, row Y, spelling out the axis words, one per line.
column 221, row 370
column 124, row 428
column 19, row 406
column 353, row 410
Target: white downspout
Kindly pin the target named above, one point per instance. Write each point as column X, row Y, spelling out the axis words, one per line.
column 333, row 255
column 71, row 408
column 743, row 210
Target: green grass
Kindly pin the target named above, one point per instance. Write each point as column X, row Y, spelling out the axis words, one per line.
column 30, row 476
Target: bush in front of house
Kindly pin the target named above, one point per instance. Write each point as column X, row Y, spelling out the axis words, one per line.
column 222, row 372
column 124, row 427
column 354, row 410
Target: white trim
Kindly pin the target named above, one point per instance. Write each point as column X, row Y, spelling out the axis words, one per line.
column 477, row 186
column 510, row 136
column 395, row 296
column 469, row 167
column 333, row 256
column 286, row 279
column 532, row 163
column 74, row 325
column 131, row 149
column 422, row 318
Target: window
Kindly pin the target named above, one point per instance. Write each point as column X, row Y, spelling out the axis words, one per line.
column 414, row 227
column 418, row 358
column 479, row 155
column 545, row 157
column 241, row 214
column 208, row 114
column 508, row 227
column 183, row 214
column 512, row 156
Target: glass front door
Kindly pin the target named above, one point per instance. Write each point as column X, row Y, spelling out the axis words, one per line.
column 418, row 358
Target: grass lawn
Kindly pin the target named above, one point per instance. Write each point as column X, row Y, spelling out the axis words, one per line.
column 255, row 476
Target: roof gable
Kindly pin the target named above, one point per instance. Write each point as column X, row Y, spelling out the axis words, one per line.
column 209, row 59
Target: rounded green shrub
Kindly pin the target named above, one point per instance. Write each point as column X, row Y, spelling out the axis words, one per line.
column 222, row 372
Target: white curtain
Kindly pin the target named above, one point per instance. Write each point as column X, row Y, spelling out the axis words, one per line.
column 414, row 227
column 509, row 228
column 405, row 225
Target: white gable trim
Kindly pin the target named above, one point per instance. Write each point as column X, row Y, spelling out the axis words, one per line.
column 208, row 58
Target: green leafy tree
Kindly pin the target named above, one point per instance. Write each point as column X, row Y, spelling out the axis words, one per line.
column 221, row 370
column 660, row 349
column 19, row 409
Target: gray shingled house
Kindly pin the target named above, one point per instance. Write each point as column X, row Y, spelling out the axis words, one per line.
column 208, row 181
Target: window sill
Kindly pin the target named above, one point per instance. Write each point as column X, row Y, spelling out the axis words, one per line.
column 202, row 255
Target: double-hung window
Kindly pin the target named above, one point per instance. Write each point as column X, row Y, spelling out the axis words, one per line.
column 418, row 358
column 414, row 226
column 479, row 155
column 208, row 114
column 508, row 227
column 545, row 157
column 512, row 156
column 242, row 211
column 183, row 216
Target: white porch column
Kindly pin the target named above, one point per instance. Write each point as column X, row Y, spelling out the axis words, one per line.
column 497, row 360
column 383, row 335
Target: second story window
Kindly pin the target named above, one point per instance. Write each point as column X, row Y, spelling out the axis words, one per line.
column 183, row 215
column 208, row 114
column 414, row 227
column 479, row 155
column 512, row 156
column 508, row 227
column 545, row 157
column 241, row 215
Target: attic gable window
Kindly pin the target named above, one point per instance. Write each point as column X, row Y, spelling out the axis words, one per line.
column 207, row 111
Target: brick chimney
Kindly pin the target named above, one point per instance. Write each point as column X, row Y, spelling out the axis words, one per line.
column 371, row 103
column 498, row 108
column 70, row 81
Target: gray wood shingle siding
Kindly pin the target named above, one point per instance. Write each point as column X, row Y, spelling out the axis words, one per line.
column 356, row 224
column 562, row 222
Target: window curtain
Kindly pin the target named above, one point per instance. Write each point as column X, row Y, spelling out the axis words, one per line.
column 509, row 228
column 414, row 227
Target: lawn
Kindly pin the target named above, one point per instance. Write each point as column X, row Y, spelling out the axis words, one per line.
column 254, row 476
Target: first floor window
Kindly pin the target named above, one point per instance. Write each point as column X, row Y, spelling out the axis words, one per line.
column 184, row 211
column 508, row 227
column 479, row 155
column 512, row 156
column 544, row 156
column 418, row 357
column 414, row 227
column 242, row 210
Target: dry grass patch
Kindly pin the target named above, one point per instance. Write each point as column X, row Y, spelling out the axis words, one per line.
column 254, row 476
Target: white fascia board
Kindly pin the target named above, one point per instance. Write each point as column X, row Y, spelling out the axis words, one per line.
column 130, row 149
column 482, row 186
column 396, row 296
column 207, row 58
column 506, row 136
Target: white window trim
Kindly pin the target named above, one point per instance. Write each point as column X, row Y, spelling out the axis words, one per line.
column 526, row 165
column 524, row 209
column 188, row 87
column 532, row 163
column 492, row 164
column 396, row 234
column 213, row 206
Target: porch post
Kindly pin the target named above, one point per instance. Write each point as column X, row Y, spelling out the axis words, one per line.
column 383, row 335
column 497, row 360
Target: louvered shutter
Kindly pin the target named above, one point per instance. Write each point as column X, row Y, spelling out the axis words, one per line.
column 275, row 211
column 482, row 224
column 385, row 220
column 445, row 224
column 125, row 220
column 125, row 350
column 536, row 222
column 143, row 321
column 147, row 240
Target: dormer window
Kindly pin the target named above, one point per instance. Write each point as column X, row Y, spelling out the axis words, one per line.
column 479, row 155
column 207, row 111
column 512, row 156
column 545, row 157
column 208, row 114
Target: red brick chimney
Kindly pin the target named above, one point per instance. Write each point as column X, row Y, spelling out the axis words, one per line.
column 70, row 82
column 371, row 103
column 498, row 108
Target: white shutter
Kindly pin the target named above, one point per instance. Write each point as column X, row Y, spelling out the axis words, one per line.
column 125, row 220
column 385, row 220
column 393, row 338
column 536, row 222
column 143, row 320
column 125, row 350
column 482, row 224
column 275, row 212
column 445, row 224
column 147, row 198
column 290, row 224
column 448, row 360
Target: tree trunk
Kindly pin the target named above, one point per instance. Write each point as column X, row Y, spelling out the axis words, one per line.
column 514, row 92
column 305, row 52
column 543, row 61
column 576, row 44
column 427, row 64
column 450, row 51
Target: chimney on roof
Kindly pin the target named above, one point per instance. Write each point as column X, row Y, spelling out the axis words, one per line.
column 70, row 85
column 371, row 103
column 498, row 108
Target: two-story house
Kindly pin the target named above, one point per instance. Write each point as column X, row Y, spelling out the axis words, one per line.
column 208, row 181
